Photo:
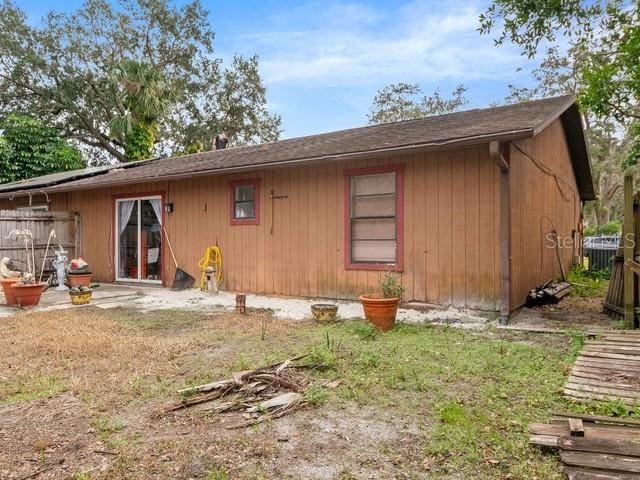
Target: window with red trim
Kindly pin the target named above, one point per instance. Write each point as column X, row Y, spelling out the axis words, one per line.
column 244, row 202
column 373, row 223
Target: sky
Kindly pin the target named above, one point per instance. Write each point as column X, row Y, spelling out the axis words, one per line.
column 323, row 61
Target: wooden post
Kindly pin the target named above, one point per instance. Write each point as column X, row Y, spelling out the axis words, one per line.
column 628, row 246
column 77, row 247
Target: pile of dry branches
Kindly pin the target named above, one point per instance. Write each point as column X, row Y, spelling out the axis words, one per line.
column 261, row 394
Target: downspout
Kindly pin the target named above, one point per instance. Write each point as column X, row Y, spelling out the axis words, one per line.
column 500, row 155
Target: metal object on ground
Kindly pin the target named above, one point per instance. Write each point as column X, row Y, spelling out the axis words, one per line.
column 210, row 281
column 600, row 251
column 241, row 303
column 324, row 312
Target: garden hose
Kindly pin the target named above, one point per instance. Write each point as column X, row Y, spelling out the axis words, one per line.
column 212, row 258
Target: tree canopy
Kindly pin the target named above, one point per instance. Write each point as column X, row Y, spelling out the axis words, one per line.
column 121, row 77
column 606, row 33
column 406, row 101
column 29, row 148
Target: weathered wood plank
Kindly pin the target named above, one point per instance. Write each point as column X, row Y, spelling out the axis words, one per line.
column 576, row 427
column 577, row 374
column 544, row 440
column 599, row 419
column 579, row 473
column 589, row 385
column 616, row 383
column 585, row 362
column 580, row 394
column 606, row 370
column 631, row 341
column 601, row 460
column 600, row 445
column 617, row 349
column 590, row 352
column 560, row 428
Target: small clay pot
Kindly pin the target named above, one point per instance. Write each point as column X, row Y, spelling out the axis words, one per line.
column 380, row 311
column 324, row 312
column 7, row 288
column 28, row 294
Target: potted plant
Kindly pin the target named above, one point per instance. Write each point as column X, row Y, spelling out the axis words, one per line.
column 28, row 291
column 7, row 278
column 7, row 287
column 381, row 310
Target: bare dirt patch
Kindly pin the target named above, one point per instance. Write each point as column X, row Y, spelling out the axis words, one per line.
column 85, row 388
column 572, row 312
column 48, row 438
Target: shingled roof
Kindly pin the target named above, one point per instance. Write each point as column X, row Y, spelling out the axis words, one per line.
column 509, row 122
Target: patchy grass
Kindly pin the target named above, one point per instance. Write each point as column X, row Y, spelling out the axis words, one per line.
column 446, row 402
column 586, row 283
column 26, row 389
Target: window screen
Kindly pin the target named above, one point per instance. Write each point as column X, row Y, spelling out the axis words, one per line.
column 373, row 218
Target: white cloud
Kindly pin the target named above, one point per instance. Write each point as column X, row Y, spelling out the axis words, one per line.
column 353, row 44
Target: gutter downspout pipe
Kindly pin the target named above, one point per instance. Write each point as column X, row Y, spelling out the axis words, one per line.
column 500, row 154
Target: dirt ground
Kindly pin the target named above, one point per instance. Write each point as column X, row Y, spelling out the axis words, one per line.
column 571, row 312
column 101, row 418
column 53, row 439
column 84, row 395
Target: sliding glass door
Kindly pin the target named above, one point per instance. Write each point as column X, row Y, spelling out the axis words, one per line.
column 139, row 239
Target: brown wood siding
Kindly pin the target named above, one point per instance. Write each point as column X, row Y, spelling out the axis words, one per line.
column 539, row 204
column 451, row 247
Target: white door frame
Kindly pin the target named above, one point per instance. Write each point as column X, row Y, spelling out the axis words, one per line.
column 117, row 239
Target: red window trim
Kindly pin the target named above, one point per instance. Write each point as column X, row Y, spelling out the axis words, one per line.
column 232, row 186
column 399, row 265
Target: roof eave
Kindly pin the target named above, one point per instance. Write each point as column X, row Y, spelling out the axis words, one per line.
column 376, row 153
column 579, row 151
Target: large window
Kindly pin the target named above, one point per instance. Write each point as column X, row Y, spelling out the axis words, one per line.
column 244, row 200
column 374, row 218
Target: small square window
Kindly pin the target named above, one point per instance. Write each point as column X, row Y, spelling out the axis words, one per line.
column 245, row 202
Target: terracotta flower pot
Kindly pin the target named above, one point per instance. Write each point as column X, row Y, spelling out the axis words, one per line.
column 28, row 294
column 79, row 279
column 381, row 312
column 7, row 288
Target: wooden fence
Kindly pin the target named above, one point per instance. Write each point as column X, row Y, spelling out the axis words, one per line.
column 66, row 226
column 623, row 296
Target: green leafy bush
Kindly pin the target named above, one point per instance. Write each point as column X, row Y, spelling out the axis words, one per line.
column 611, row 228
column 29, row 148
column 391, row 287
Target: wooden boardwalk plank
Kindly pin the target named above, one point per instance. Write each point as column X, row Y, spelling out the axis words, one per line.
column 601, row 460
column 578, row 473
column 591, row 430
column 582, row 395
column 630, row 389
column 599, row 419
column 599, row 445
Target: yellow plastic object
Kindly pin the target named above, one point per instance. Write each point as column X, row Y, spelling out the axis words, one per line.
column 212, row 258
column 80, row 298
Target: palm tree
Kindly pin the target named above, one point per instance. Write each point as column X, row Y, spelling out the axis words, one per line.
column 144, row 96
